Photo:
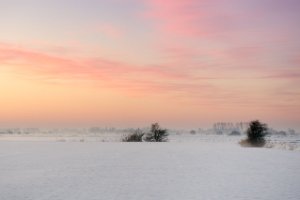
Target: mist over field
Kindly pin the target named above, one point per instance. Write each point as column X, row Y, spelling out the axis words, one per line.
column 220, row 131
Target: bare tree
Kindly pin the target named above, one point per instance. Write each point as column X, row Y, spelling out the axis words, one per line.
column 136, row 136
column 157, row 134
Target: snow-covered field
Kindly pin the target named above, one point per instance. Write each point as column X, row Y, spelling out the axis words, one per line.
column 193, row 167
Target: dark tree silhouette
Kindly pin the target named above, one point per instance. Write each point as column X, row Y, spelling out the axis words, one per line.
column 256, row 133
column 157, row 134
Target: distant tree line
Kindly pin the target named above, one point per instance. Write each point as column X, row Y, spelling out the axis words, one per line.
column 228, row 126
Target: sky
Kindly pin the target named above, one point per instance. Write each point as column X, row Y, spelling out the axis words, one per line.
column 128, row 63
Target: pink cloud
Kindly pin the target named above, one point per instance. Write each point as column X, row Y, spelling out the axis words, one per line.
column 193, row 18
column 175, row 17
column 240, row 29
column 176, row 23
column 169, row 79
column 110, row 73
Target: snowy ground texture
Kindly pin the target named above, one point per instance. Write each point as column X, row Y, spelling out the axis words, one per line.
column 183, row 170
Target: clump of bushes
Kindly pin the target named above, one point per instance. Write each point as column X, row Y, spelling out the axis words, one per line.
column 136, row 136
column 157, row 134
column 255, row 134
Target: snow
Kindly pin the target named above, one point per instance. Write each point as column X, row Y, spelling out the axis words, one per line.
column 206, row 169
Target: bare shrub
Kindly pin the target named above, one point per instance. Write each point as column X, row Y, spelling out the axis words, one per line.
column 157, row 134
column 136, row 136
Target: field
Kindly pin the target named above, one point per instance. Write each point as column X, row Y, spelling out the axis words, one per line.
column 187, row 169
